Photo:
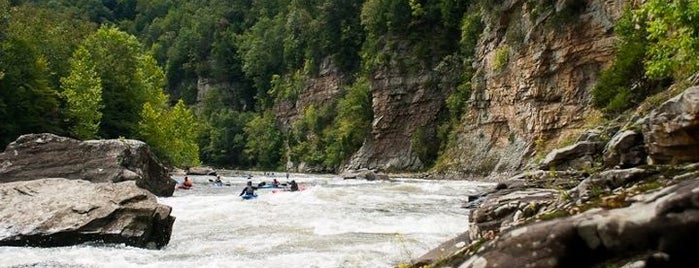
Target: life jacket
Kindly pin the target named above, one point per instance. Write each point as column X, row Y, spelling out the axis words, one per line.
column 249, row 190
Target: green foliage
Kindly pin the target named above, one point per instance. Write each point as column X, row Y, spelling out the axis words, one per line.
column 672, row 31
column 306, row 140
column 4, row 19
column 172, row 133
column 340, row 33
column 265, row 143
column 27, row 102
column 82, row 92
column 352, row 124
column 553, row 215
column 287, row 88
column 54, row 35
column 471, row 28
column 253, row 53
column 117, row 56
column 502, row 57
column 425, row 145
column 396, row 25
column 382, row 16
column 658, row 42
column 261, row 50
column 223, row 137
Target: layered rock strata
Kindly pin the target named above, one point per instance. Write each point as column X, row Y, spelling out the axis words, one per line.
column 37, row 156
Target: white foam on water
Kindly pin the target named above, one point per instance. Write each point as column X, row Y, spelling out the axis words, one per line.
column 332, row 223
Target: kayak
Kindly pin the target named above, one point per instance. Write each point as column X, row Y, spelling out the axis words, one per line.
column 286, row 189
column 269, row 186
column 248, row 196
column 184, row 187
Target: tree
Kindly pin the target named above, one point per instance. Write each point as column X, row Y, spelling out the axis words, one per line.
column 4, row 19
column 171, row 132
column 264, row 143
column 54, row 35
column 117, row 57
column 82, row 92
column 184, row 134
column 27, row 103
column 261, row 50
column 672, row 31
column 223, row 139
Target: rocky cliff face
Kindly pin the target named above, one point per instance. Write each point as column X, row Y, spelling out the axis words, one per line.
column 318, row 91
column 403, row 105
column 535, row 62
column 536, row 65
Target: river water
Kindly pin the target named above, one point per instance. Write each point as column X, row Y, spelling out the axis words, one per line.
column 332, row 223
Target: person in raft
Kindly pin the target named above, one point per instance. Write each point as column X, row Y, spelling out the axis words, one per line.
column 187, row 182
column 293, row 186
column 248, row 190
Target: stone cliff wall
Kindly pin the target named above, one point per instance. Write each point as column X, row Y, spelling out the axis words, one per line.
column 320, row 90
column 403, row 105
column 536, row 63
column 536, row 66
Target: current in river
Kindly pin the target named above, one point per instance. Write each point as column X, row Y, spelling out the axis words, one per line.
column 331, row 223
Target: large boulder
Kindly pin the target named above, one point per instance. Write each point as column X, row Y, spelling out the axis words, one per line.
column 36, row 156
column 626, row 149
column 61, row 212
column 671, row 131
column 576, row 157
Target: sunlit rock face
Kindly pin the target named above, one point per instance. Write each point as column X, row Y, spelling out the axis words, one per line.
column 534, row 79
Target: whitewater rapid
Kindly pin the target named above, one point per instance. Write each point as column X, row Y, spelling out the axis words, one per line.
column 333, row 223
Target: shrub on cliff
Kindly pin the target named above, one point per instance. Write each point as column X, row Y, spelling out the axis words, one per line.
column 658, row 43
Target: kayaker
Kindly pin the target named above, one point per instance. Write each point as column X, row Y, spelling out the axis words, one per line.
column 275, row 183
column 293, row 186
column 187, row 183
column 248, row 190
column 218, row 181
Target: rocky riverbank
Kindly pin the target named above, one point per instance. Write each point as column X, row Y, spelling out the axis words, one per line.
column 624, row 194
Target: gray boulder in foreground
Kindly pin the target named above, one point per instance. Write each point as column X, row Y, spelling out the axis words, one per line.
column 60, row 212
column 657, row 230
column 37, row 156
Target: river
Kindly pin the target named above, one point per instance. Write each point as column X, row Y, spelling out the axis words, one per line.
column 332, row 223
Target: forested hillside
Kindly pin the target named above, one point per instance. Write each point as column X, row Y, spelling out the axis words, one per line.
column 319, row 85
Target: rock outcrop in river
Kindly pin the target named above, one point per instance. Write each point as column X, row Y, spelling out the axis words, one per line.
column 37, row 156
column 62, row 212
